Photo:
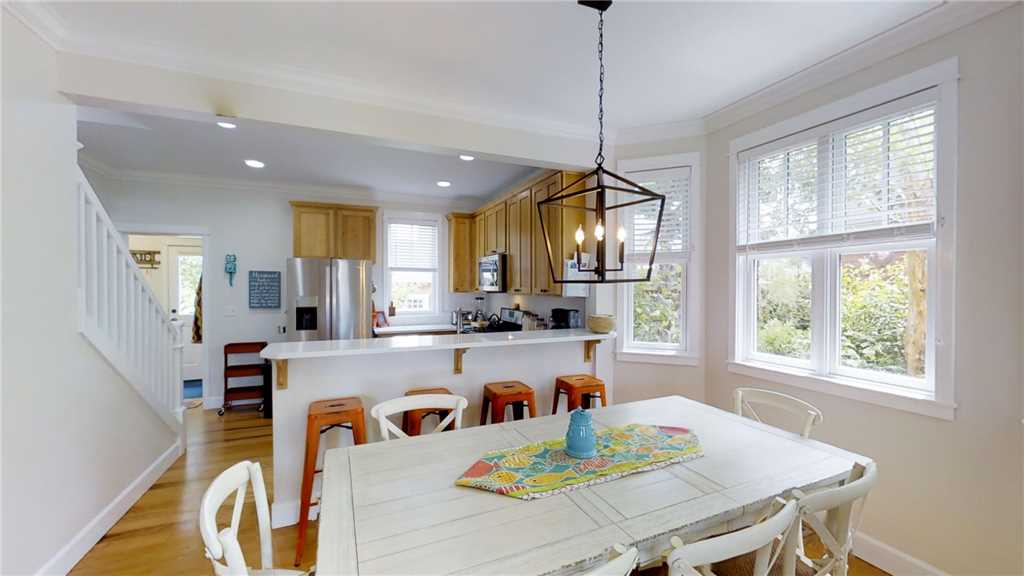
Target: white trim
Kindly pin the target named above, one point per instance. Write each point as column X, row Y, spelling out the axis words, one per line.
column 213, row 402
column 897, row 398
column 689, row 353
column 65, row 559
column 893, row 561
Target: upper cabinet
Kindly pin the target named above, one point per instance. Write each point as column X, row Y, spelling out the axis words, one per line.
column 462, row 253
column 495, row 229
column 520, row 242
column 321, row 230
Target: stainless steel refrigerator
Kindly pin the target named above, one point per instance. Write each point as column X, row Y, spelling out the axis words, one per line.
column 329, row 299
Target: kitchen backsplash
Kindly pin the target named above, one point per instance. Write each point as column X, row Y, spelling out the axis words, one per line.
column 540, row 305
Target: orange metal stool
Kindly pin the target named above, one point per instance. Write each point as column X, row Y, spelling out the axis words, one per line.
column 324, row 415
column 581, row 389
column 501, row 394
column 412, row 421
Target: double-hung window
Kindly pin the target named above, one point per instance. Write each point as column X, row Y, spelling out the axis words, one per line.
column 840, row 233
column 657, row 323
column 411, row 273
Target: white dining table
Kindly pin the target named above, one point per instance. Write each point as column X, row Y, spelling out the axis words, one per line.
column 392, row 507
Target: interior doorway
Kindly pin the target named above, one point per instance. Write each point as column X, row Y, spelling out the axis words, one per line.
column 173, row 267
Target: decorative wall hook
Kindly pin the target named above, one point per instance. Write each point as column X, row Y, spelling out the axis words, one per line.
column 230, row 267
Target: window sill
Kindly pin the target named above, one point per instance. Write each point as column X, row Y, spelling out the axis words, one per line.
column 648, row 356
column 879, row 395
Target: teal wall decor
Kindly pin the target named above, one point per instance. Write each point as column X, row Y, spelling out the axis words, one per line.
column 230, row 267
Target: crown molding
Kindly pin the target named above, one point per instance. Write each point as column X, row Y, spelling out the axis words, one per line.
column 922, row 28
column 284, row 189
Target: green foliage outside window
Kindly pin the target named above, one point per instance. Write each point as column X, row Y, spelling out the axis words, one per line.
column 656, row 317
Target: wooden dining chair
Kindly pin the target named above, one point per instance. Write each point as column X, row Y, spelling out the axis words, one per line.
column 772, row 540
column 744, row 400
column 455, row 405
column 622, row 565
column 222, row 547
column 842, row 507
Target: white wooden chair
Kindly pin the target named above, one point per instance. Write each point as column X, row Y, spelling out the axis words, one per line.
column 842, row 506
column 693, row 559
column 222, row 547
column 622, row 565
column 744, row 400
column 454, row 404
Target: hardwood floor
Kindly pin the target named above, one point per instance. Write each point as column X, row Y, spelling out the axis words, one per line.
column 160, row 533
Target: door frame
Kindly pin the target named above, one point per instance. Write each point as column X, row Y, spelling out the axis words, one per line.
column 210, row 401
column 173, row 297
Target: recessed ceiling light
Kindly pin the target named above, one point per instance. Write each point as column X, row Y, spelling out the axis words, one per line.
column 467, row 157
column 444, row 183
column 228, row 125
column 254, row 164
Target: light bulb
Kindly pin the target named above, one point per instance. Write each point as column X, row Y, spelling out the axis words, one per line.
column 580, row 234
column 599, row 231
column 622, row 234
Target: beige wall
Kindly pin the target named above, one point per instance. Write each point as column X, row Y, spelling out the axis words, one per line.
column 74, row 433
column 159, row 278
column 950, row 492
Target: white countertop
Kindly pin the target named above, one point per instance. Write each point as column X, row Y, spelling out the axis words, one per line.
column 365, row 346
column 414, row 328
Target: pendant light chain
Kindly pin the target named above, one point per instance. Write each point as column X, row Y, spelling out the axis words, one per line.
column 599, row 159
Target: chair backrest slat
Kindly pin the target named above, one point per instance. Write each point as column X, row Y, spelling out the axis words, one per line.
column 222, row 547
column 843, row 506
column 454, row 404
column 744, row 400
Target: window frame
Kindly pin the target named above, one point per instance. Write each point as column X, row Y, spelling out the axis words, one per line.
column 688, row 352
column 440, row 273
column 866, row 386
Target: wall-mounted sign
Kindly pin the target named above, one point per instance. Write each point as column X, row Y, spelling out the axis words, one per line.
column 264, row 289
column 146, row 258
column 230, row 267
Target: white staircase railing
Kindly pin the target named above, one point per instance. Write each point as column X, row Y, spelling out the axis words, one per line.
column 121, row 317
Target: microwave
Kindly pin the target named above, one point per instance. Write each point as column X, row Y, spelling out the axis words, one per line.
column 491, row 273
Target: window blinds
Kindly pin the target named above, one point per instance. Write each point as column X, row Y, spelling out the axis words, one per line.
column 674, row 239
column 870, row 175
column 412, row 245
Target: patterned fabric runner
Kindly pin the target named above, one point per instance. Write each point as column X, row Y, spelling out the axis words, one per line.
column 542, row 469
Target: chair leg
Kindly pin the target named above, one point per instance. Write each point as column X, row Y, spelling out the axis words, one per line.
column 532, row 405
column 604, row 398
column 358, row 431
column 497, row 411
column 554, row 405
column 308, row 470
column 415, row 423
column 517, row 410
column 483, row 411
column 574, row 401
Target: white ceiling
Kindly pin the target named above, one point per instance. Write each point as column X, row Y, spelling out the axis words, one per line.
column 666, row 62
column 143, row 143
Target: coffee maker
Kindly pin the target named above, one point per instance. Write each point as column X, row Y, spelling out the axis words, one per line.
column 565, row 318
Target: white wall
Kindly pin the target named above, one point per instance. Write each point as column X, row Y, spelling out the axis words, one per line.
column 75, row 434
column 950, row 492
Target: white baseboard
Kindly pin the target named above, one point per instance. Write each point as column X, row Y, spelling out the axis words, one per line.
column 284, row 514
column 87, row 537
column 890, row 559
column 212, row 402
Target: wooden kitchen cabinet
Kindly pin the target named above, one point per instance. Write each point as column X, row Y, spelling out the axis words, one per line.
column 560, row 223
column 321, row 230
column 520, row 242
column 462, row 253
column 496, row 230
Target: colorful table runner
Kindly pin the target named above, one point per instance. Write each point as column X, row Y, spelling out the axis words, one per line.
column 542, row 469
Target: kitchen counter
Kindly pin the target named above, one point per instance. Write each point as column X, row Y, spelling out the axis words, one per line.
column 367, row 346
column 414, row 329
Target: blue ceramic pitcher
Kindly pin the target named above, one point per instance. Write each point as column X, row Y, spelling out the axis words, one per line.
column 580, row 441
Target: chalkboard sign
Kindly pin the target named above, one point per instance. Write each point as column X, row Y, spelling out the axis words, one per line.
column 264, row 289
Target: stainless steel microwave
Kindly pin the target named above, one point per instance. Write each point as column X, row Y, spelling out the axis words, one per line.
column 491, row 273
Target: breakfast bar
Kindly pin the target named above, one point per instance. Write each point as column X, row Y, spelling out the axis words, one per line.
column 378, row 369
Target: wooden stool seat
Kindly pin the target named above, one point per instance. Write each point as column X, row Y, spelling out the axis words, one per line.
column 502, row 394
column 322, row 416
column 581, row 389
column 412, row 421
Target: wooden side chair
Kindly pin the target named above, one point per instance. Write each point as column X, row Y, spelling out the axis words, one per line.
column 621, row 565
column 222, row 547
column 744, row 400
column 842, row 507
column 324, row 415
column 728, row 554
column 454, row 404
column 242, row 371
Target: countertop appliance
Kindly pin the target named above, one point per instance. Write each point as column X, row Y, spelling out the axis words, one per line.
column 491, row 273
column 510, row 320
column 329, row 299
column 565, row 318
